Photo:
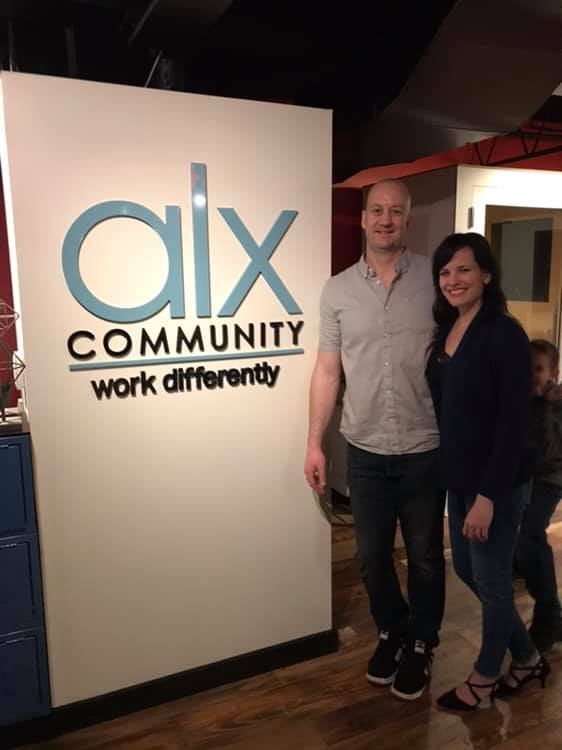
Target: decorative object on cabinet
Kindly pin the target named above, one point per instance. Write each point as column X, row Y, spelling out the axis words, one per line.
column 11, row 366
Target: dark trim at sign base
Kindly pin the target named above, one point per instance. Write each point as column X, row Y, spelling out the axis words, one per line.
column 139, row 697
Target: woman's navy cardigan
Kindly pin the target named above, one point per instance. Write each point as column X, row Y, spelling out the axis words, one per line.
column 482, row 400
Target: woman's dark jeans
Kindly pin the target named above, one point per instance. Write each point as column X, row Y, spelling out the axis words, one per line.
column 384, row 489
column 487, row 567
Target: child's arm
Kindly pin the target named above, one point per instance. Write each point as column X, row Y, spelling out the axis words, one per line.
column 552, row 429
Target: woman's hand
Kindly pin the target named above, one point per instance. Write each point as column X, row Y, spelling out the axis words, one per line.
column 478, row 520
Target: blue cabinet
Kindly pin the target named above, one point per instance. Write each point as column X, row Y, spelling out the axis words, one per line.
column 21, row 603
column 24, row 684
column 24, row 681
column 17, row 509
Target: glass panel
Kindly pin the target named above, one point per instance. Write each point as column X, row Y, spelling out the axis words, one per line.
column 527, row 243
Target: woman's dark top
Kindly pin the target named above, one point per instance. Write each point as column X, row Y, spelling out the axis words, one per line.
column 482, row 398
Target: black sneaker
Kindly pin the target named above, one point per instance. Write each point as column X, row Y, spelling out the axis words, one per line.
column 414, row 672
column 383, row 664
column 545, row 633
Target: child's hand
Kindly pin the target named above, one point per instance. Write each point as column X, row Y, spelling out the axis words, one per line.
column 553, row 392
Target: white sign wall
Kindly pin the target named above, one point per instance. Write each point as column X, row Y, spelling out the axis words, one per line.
column 168, row 253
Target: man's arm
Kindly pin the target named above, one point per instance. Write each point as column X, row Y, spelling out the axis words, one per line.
column 324, row 387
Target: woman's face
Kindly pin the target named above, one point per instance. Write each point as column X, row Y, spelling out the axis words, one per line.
column 462, row 280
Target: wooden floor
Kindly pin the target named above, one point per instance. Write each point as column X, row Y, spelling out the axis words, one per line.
column 327, row 703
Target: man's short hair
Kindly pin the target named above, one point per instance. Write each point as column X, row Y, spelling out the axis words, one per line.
column 542, row 346
column 389, row 181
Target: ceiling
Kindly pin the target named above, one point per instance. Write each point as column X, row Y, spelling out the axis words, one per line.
column 353, row 58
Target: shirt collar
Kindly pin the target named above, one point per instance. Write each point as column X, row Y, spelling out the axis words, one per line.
column 401, row 265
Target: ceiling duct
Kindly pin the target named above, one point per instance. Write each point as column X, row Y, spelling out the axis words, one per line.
column 489, row 68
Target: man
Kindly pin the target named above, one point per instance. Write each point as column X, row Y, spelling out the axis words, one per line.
column 376, row 325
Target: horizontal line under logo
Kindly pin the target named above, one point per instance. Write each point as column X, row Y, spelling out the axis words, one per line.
column 180, row 360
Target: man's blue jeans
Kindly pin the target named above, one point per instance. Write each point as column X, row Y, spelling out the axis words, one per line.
column 384, row 489
column 533, row 553
column 486, row 567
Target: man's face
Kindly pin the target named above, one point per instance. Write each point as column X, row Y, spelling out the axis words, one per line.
column 385, row 218
column 543, row 372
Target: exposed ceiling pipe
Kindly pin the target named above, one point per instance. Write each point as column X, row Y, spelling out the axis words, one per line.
column 143, row 20
column 154, row 66
column 11, row 46
column 71, row 65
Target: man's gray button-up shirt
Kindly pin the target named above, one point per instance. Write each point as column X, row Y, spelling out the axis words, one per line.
column 383, row 336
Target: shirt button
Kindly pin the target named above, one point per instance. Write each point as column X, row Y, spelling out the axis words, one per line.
column 386, row 364
column 378, row 281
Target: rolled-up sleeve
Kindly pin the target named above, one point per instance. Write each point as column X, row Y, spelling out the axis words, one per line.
column 330, row 332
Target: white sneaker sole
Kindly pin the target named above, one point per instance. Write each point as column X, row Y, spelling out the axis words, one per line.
column 380, row 680
column 407, row 696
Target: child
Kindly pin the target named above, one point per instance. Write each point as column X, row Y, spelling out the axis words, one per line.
column 533, row 554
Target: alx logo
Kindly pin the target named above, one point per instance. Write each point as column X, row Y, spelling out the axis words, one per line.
column 169, row 231
column 213, row 342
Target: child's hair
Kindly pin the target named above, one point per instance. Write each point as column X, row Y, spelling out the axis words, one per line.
column 542, row 346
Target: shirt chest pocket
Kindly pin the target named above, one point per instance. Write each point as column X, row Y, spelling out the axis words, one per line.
column 361, row 322
column 413, row 312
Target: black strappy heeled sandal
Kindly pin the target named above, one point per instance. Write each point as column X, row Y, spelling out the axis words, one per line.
column 538, row 671
column 452, row 701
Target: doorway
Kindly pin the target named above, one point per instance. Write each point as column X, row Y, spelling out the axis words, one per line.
column 527, row 243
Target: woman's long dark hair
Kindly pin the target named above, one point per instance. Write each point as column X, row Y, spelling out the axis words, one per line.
column 493, row 300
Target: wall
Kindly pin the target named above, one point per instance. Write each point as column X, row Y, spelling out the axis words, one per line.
column 5, row 281
column 176, row 528
column 9, row 337
column 479, row 187
column 347, row 234
column 433, row 209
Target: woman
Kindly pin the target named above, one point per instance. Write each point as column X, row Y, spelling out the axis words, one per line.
column 479, row 373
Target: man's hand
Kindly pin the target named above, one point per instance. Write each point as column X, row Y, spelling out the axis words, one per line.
column 315, row 469
column 478, row 520
column 324, row 386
